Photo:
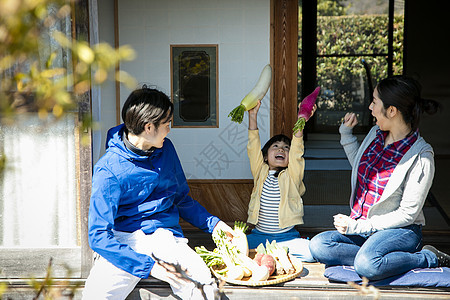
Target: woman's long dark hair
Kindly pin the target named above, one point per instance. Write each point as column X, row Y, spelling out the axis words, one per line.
column 404, row 93
column 274, row 139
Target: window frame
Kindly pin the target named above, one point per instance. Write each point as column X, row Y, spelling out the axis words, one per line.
column 67, row 262
column 212, row 120
column 309, row 56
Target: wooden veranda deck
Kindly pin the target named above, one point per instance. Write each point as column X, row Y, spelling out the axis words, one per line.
column 311, row 284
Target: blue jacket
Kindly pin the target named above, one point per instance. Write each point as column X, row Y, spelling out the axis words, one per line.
column 131, row 192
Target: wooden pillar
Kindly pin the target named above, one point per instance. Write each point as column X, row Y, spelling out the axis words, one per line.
column 284, row 40
column 80, row 32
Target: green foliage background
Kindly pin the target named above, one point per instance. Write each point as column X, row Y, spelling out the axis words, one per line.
column 346, row 41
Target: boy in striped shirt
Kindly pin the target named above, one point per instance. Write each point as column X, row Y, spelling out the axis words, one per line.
column 276, row 205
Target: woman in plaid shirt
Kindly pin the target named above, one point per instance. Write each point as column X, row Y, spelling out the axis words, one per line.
column 392, row 172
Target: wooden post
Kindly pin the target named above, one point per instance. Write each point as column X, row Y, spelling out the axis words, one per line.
column 284, row 40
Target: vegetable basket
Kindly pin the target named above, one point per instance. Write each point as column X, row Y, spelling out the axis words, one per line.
column 273, row 279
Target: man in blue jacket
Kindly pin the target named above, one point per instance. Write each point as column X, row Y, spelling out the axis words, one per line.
column 139, row 191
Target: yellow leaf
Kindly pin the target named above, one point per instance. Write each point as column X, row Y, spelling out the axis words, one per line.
column 126, row 52
column 85, row 53
column 3, row 33
column 81, row 68
column 42, row 113
column 82, row 87
column 6, row 62
column 100, row 75
column 8, row 7
column 41, row 11
column 126, row 78
column 3, row 286
column 20, row 86
column 50, row 59
column 62, row 39
column 53, row 72
column 64, row 11
column 103, row 48
column 58, row 110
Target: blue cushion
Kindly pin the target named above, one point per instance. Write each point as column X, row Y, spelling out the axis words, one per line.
column 428, row 277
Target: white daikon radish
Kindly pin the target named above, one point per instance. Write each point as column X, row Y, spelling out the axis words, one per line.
column 251, row 99
column 240, row 238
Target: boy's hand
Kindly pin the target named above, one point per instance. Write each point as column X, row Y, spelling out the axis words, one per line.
column 254, row 110
column 299, row 133
column 312, row 111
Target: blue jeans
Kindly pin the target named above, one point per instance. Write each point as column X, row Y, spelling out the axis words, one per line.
column 383, row 254
column 298, row 247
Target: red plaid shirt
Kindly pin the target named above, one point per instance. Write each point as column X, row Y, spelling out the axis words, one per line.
column 374, row 170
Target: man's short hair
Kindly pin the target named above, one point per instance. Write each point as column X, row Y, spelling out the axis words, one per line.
column 143, row 106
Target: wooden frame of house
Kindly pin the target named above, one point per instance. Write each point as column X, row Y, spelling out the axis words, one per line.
column 425, row 50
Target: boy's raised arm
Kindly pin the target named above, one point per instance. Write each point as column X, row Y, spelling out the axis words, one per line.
column 252, row 117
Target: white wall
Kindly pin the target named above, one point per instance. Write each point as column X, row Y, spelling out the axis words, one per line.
column 104, row 104
column 241, row 30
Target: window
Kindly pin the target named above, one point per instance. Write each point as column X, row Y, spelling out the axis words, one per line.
column 43, row 204
column 345, row 47
column 194, row 85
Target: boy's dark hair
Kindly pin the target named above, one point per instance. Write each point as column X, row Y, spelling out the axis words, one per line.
column 274, row 139
column 143, row 106
column 404, row 93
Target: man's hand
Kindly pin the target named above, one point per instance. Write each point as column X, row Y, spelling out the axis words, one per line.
column 167, row 273
column 224, row 227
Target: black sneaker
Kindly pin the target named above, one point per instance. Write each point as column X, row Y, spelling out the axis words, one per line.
column 443, row 258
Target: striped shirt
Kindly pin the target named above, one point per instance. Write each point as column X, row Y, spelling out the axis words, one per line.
column 269, row 203
column 375, row 168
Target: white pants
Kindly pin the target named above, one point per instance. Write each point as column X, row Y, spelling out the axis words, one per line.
column 106, row 281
